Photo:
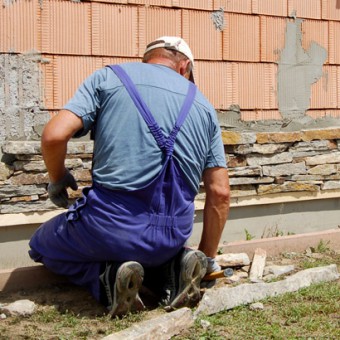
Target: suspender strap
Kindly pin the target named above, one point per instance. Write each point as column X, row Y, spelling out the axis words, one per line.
column 163, row 143
column 189, row 99
column 140, row 104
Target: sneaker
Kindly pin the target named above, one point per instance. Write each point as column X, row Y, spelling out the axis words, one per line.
column 122, row 283
column 184, row 274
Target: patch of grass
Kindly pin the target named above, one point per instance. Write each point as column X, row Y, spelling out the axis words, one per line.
column 70, row 326
column 248, row 235
column 274, row 232
column 322, row 247
column 312, row 312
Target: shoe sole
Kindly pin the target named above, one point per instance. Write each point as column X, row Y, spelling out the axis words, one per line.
column 128, row 281
column 193, row 268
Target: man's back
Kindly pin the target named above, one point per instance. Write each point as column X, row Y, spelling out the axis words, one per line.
column 126, row 155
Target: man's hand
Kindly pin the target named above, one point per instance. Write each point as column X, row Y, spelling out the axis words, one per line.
column 57, row 191
column 213, row 266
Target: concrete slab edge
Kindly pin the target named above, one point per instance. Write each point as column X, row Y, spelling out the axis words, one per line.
column 225, row 298
column 38, row 276
column 158, row 328
column 216, row 300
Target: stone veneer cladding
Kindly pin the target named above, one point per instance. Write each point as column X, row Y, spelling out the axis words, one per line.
column 259, row 164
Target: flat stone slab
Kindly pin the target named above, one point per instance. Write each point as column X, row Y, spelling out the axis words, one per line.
column 217, row 300
column 258, row 264
column 159, row 328
column 232, row 260
column 20, row 307
column 274, row 271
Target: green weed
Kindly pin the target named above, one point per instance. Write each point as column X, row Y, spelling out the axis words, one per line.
column 322, row 247
column 248, row 235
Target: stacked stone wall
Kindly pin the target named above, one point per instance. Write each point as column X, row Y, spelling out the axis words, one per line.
column 260, row 164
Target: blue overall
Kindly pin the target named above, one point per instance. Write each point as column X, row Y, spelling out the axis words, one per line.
column 149, row 225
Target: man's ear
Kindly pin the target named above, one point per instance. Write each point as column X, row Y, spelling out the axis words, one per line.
column 184, row 67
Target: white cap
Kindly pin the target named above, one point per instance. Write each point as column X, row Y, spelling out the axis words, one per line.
column 172, row 43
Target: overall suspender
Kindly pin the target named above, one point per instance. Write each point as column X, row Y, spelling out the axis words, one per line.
column 165, row 143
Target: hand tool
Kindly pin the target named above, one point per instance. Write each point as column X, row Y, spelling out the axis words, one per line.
column 217, row 275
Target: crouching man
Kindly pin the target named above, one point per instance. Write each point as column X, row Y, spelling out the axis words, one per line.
column 155, row 138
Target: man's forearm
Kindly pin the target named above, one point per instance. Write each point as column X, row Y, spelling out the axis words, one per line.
column 57, row 132
column 54, row 157
column 216, row 209
column 215, row 217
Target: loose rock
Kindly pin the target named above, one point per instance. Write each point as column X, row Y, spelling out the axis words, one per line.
column 20, row 307
column 256, row 306
column 276, row 271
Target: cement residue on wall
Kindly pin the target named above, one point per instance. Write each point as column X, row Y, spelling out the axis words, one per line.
column 298, row 70
column 231, row 120
column 21, row 108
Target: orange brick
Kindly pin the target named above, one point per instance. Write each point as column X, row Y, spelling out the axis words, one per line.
column 254, row 85
column 273, row 32
column 66, row 27
column 314, row 31
column 334, row 46
column 214, row 80
column 165, row 3
column 315, row 114
column 110, row 61
column 114, row 30
column 330, row 9
column 200, row 33
column 260, row 115
column 197, row 4
column 241, row 37
column 338, row 85
column 324, row 91
column 249, row 85
column 68, row 73
column 47, row 81
column 156, row 22
column 112, row 1
column 305, row 8
column 238, row 6
column 270, row 7
column 20, row 26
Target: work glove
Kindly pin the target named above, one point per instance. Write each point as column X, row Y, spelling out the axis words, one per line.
column 57, row 191
column 213, row 266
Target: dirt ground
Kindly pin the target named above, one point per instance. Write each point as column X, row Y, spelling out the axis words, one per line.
column 65, row 311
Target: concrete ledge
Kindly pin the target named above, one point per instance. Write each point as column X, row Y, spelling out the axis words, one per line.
column 30, row 218
column 282, row 197
column 38, row 276
column 26, row 278
column 282, row 244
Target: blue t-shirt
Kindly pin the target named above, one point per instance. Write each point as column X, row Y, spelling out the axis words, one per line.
column 126, row 155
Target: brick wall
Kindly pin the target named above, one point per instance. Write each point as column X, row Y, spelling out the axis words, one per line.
column 237, row 44
column 266, row 65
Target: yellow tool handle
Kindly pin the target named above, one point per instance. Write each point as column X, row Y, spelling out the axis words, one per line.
column 218, row 275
